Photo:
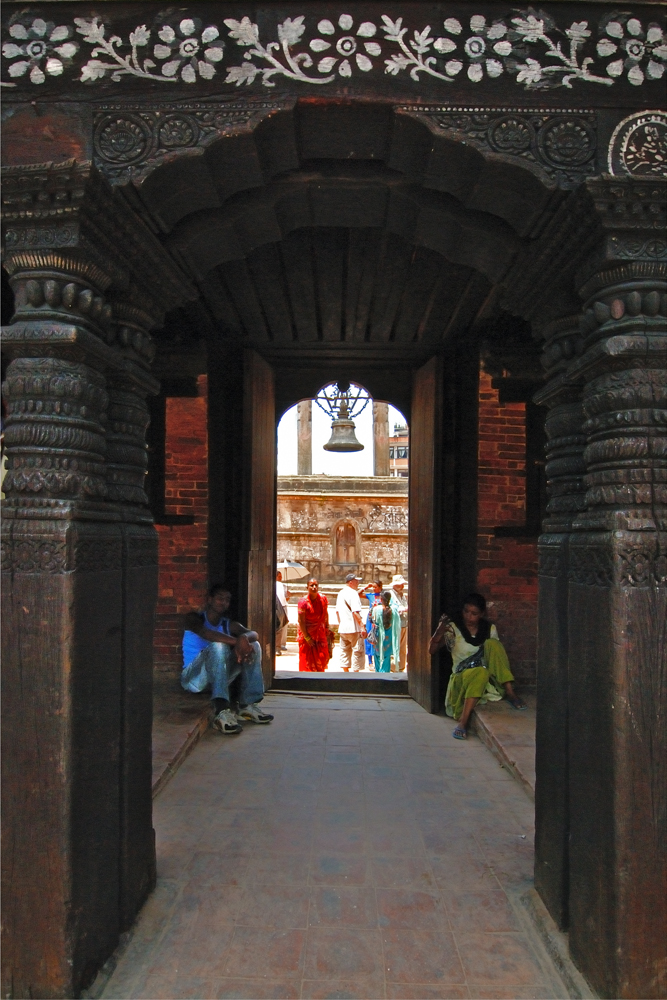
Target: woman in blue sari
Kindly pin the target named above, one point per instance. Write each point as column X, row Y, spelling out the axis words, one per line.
column 387, row 628
column 372, row 594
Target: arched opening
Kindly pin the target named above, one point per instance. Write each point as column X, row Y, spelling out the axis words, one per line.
column 356, row 242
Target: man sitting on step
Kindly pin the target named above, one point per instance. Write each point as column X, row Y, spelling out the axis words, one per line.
column 216, row 652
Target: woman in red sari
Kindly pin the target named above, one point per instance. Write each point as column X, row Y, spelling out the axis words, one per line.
column 313, row 629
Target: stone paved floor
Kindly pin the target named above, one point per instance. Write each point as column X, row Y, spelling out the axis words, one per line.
column 351, row 849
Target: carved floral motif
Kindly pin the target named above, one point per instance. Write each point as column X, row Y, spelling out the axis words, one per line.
column 39, row 49
column 526, row 44
column 34, row 554
column 637, row 51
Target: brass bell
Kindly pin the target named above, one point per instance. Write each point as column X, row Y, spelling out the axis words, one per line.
column 343, row 437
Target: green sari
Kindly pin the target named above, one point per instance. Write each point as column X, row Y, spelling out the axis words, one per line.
column 485, row 682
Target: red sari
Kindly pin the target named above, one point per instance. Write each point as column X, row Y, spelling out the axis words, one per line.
column 314, row 656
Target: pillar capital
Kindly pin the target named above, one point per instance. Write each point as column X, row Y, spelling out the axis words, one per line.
column 609, row 224
column 91, row 281
column 81, row 247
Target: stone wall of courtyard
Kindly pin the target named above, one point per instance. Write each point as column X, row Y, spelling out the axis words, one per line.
column 337, row 525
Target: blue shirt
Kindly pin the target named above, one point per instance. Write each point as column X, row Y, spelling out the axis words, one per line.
column 193, row 644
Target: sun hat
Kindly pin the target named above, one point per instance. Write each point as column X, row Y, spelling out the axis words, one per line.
column 352, row 576
column 398, row 579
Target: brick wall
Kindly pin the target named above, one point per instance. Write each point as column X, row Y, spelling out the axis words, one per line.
column 182, row 547
column 506, row 567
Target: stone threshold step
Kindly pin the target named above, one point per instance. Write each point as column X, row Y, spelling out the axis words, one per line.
column 333, row 682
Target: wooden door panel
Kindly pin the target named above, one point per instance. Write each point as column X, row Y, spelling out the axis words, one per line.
column 260, row 435
column 423, row 532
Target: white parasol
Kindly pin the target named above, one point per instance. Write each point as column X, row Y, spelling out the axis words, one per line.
column 292, row 570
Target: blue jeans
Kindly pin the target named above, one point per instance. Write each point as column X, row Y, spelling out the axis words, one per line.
column 216, row 667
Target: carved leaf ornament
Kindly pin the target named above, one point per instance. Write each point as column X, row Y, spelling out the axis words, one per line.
column 526, row 45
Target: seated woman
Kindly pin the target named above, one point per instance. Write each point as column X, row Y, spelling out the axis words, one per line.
column 387, row 631
column 314, row 632
column 480, row 668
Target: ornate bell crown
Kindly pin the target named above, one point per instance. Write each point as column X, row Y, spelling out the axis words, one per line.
column 341, row 401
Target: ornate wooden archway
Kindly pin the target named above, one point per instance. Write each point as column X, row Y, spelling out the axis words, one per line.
column 491, row 160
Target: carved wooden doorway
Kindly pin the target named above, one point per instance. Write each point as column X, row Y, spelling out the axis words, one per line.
column 424, row 517
column 424, row 535
column 260, row 448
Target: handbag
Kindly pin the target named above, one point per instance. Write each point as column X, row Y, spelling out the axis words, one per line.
column 330, row 641
column 474, row 660
column 372, row 634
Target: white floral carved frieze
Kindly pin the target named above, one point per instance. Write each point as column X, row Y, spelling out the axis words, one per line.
column 527, row 46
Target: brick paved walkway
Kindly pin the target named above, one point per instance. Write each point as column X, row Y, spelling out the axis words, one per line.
column 351, row 849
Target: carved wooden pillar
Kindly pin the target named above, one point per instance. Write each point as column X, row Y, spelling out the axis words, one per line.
column 79, row 575
column 617, row 604
column 564, row 469
column 601, row 858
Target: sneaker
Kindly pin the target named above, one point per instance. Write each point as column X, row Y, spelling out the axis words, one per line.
column 250, row 713
column 227, row 723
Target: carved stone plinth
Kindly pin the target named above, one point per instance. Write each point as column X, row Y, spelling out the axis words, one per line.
column 79, row 577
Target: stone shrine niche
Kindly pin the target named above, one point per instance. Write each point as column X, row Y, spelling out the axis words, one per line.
column 345, row 542
column 333, row 525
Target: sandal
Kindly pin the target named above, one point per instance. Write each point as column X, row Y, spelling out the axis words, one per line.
column 460, row 733
column 518, row 704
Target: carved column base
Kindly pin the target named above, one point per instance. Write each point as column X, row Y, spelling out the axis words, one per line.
column 61, row 754
column 77, row 717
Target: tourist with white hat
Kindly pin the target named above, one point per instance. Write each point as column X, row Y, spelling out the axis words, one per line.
column 398, row 587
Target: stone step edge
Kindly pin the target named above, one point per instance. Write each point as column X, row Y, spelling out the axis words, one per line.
column 555, row 942
column 480, row 728
column 309, row 693
column 185, row 749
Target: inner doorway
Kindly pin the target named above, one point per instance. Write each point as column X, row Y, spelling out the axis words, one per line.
column 261, row 406
column 342, row 510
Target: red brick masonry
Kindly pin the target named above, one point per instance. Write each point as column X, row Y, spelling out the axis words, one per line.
column 507, row 567
column 182, row 547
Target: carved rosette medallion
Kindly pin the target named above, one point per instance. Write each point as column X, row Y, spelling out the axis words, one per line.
column 638, row 146
column 563, row 144
column 568, row 144
column 129, row 139
column 123, row 140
